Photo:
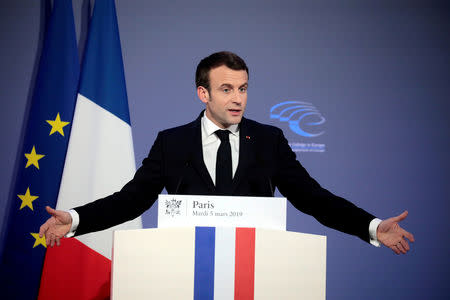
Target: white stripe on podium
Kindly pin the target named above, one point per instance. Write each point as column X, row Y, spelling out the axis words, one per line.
column 224, row 263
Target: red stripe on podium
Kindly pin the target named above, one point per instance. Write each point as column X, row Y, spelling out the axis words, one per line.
column 75, row 271
column 244, row 278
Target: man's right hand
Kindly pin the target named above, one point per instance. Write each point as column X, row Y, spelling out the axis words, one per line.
column 56, row 227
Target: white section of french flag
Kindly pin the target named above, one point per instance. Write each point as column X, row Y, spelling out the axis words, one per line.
column 99, row 162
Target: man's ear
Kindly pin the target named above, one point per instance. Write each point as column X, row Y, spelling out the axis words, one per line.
column 203, row 94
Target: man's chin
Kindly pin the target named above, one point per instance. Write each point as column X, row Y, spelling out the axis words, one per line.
column 234, row 120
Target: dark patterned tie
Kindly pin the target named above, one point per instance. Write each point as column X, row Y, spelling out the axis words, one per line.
column 224, row 173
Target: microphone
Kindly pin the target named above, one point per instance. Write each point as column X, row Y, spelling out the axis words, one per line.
column 261, row 163
column 272, row 191
column 183, row 173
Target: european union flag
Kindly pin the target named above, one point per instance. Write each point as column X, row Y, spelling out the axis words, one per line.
column 41, row 156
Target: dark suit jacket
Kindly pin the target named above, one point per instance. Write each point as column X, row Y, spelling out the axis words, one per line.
column 266, row 161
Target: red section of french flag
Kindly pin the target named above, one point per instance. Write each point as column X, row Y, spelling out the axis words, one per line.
column 244, row 281
column 86, row 273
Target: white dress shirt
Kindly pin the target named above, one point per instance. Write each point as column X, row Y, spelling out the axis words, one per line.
column 211, row 143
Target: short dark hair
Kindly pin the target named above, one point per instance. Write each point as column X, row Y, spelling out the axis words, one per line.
column 229, row 59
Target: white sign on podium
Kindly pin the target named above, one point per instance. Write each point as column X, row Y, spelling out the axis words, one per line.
column 221, row 211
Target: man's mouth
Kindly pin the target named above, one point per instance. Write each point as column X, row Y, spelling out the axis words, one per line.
column 235, row 112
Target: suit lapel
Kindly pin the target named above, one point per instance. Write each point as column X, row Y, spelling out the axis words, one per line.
column 197, row 154
column 245, row 154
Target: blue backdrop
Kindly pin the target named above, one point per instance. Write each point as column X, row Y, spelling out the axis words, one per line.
column 377, row 72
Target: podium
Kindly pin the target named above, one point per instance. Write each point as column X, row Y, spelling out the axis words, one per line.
column 223, row 262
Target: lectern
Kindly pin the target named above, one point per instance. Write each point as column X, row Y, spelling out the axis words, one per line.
column 217, row 262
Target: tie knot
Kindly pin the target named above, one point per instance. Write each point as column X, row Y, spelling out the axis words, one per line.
column 223, row 135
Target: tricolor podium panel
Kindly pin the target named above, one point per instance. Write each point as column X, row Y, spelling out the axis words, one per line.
column 218, row 263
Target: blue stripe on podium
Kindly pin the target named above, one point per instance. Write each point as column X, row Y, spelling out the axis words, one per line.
column 204, row 263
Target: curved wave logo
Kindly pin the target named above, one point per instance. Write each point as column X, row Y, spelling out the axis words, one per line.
column 301, row 116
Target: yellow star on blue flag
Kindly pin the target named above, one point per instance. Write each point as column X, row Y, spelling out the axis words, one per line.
column 38, row 240
column 27, row 199
column 33, row 158
column 57, row 125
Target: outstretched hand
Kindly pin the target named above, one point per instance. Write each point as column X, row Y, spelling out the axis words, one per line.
column 56, row 227
column 390, row 234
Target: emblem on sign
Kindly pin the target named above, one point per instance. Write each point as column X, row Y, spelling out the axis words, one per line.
column 173, row 207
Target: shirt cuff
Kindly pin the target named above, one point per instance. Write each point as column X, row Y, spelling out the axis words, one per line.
column 373, row 232
column 75, row 222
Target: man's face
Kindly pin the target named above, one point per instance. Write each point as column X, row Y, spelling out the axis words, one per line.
column 227, row 98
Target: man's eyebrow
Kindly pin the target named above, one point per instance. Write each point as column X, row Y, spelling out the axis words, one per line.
column 228, row 85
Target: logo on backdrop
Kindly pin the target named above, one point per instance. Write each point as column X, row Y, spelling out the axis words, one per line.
column 304, row 119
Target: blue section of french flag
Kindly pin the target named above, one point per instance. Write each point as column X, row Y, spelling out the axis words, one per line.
column 103, row 78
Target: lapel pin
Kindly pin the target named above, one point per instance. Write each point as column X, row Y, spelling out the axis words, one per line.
column 247, row 137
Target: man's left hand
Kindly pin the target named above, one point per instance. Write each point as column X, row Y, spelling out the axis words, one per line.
column 390, row 234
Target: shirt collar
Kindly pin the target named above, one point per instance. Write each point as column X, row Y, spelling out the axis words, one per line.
column 209, row 127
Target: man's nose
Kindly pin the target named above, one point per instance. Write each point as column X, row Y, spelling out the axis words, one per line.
column 237, row 97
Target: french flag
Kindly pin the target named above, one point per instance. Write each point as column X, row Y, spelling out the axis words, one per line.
column 99, row 161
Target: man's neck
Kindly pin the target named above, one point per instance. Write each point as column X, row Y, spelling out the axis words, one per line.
column 213, row 126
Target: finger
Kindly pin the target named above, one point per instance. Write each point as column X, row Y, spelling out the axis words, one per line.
column 52, row 240
column 58, row 241
column 404, row 244
column 408, row 235
column 43, row 229
column 401, row 248
column 395, row 249
column 401, row 216
column 58, row 214
column 50, row 210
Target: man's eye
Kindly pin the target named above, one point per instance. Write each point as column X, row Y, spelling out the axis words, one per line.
column 243, row 89
column 226, row 90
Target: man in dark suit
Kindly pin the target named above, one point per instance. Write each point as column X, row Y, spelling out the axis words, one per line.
column 222, row 153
